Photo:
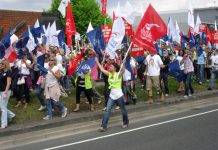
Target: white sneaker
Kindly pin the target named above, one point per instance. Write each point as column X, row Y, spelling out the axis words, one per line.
column 190, row 95
column 64, row 114
column 42, row 108
column 47, row 117
column 117, row 107
column 185, row 96
column 104, row 109
column 166, row 95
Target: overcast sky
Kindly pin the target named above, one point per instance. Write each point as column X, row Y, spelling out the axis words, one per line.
column 159, row 5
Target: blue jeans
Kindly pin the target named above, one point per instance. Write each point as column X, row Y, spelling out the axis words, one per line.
column 201, row 70
column 6, row 113
column 188, row 86
column 40, row 94
column 107, row 112
column 214, row 74
column 59, row 105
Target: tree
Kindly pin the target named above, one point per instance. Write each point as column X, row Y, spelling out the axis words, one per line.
column 84, row 11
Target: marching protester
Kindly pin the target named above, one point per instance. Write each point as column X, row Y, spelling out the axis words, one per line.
column 83, row 83
column 116, row 94
column 5, row 92
column 154, row 63
column 188, row 71
column 52, row 90
column 24, row 83
column 181, row 83
column 214, row 69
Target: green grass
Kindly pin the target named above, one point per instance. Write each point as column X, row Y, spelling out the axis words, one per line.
column 32, row 114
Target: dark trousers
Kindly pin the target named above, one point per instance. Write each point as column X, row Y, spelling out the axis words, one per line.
column 164, row 77
column 88, row 92
column 23, row 90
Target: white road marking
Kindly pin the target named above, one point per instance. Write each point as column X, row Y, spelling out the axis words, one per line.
column 127, row 131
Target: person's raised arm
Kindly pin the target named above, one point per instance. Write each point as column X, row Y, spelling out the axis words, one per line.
column 101, row 67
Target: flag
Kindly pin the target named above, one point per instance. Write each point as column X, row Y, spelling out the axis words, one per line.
column 191, row 21
column 4, row 44
column 41, row 60
column 74, row 63
column 199, row 50
column 13, row 39
column 174, row 70
column 104, row 8
column 128, row 28
column 129, row 67
column 172, row 33
column 10, row 54
column 136, row 51
column 192, row 41
column 158, row 49
column 118, row 32
column 178, row 38
column 31, row 42
column 204, row 38
column 70, row 25
column 209, row 36
column 42, row 69
column 215, row 34
column 86, row 65
column 96, row 38
column 197, row 25
column 106, row 29
column 62, row 7
column 151, row 28
column 90, row 28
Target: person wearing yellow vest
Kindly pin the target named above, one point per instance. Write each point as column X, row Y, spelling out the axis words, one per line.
column 83, row 83
column 116, row 94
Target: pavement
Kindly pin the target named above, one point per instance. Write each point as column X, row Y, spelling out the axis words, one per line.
column 81, row 117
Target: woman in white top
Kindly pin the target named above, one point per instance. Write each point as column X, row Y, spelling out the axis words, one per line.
column 52, row 90
column 24, row 66
column 116, row 94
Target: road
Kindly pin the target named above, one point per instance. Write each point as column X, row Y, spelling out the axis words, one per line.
column 187, row 126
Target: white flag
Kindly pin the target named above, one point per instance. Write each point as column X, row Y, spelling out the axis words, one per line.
column 36, row 25
column 215, row 25
column 178, row 39
column 13, row 39
column 191, row 21
column 62, row 7
column 31, row 42
column 77, row 37
column 118, row 32
column 90, row 28
column 197, row 25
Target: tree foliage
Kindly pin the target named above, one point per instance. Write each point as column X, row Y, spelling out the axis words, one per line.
column 84, row 11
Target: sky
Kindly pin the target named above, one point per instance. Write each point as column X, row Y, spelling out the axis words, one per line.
column 159, row 5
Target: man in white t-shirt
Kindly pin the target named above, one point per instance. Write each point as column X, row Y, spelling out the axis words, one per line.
column 154, row 63
column 214, row 71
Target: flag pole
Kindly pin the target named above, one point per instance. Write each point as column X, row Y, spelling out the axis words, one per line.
column 124, row 58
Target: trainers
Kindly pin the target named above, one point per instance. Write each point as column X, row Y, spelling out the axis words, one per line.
column 104, row 109
column 210, row 89
column 185, row 96
column 166, row 95
column 99, row 101
column 189, row 95
column 125, row 126
column 200, row 83
column 117, row 107
column 102, row 129
column 47, row 117
column 11, row 118
column 64, row 114
column 41, row 108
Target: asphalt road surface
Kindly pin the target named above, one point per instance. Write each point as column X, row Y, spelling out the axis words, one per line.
column 195, row 128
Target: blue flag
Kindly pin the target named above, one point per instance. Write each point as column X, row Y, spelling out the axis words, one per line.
column 129, row 67
column 86, row 65
column 174, row 70
column 96, row 38
column 41, row 60
column 184, row 39
column 199, row 50
column 192, row 42
column 4, row 44
column 204, row 38
column 42, row 69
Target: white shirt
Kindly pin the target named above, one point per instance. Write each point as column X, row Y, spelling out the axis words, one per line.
column 51, row 80
column 126, row 75
column 179, row 58
column 214, row 61
column 23, row 68
column 116, row 93
column 153, row 64
column 59, row 59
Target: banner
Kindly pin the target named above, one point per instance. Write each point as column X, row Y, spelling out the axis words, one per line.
column 107, row 32
column 215, row 36
column 128, row 28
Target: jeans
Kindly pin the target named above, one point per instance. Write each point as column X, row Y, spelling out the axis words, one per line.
column 214, row 74
column 164, row 77
column 107, row 113
column 40, row 94
column 201, row 70
column 188, row 86
column 6, row 113
column 59, row 105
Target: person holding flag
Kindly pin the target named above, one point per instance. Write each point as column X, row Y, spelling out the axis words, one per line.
column 116, row 94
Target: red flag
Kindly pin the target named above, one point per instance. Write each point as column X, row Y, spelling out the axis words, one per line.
column 12, row 57
column 215, row 36
column 74, row 63
column 104, row 8
column 209, row 36
column 70, row 25
column 128, row 28
column 137, row 51
column 151, row 28
column 202, row 28
column 107, row 29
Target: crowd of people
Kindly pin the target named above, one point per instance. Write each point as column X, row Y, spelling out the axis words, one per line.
column 119, row 74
